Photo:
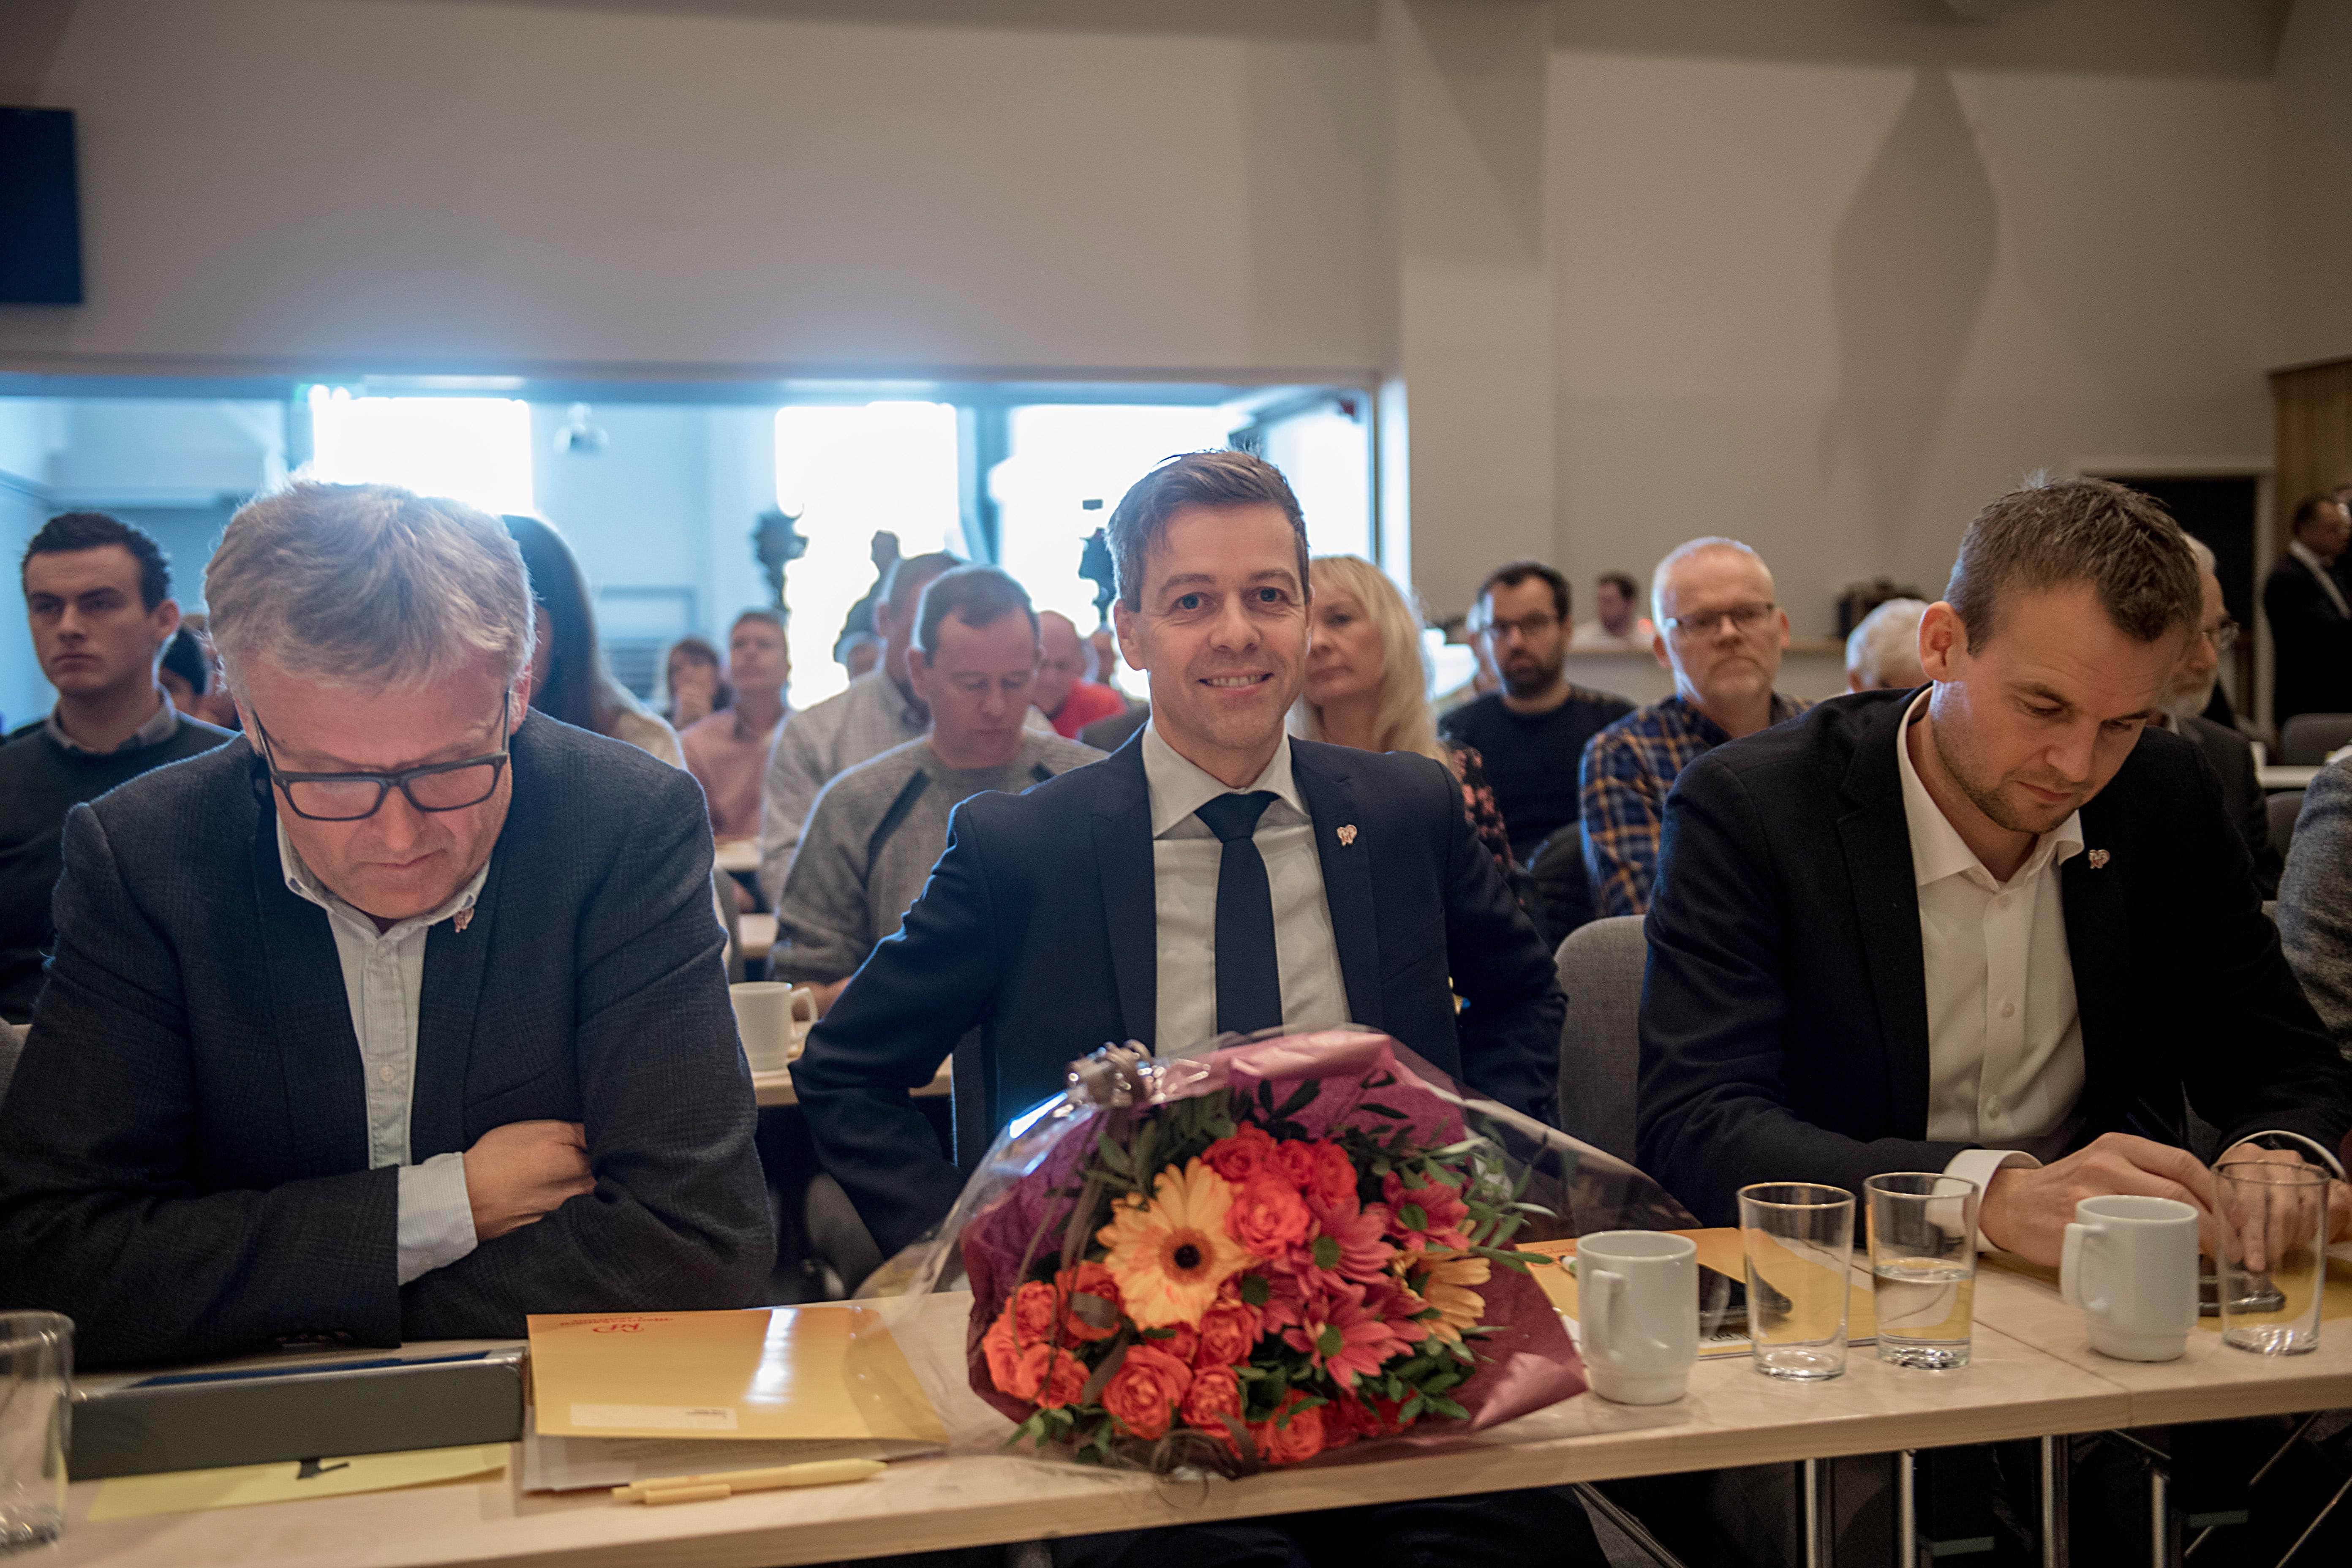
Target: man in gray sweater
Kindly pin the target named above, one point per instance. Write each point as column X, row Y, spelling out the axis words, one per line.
column 878, row 827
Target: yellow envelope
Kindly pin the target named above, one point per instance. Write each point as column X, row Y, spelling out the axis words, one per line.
column 289, row 1480
column 776, row 1372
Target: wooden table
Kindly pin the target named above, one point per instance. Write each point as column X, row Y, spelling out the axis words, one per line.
column 2285, row 776
column 977, row 1497
column 776, row 1088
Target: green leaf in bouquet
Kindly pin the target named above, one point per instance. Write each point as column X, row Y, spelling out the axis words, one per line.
column 1444, row 1406
column 1330, row 1342
column 1255, row 1290
column 1413, row 1216
column 1409, row 1409
column 1383, row 1079
column 1111, row 1155
column 1327, row 1252
column 1145, row 1169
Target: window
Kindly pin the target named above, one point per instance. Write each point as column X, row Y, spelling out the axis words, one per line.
column 473, row 449
column 849, row 472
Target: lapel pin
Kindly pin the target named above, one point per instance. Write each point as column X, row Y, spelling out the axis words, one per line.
column 461, row 919
column 1346, row 834
column 2098, row 858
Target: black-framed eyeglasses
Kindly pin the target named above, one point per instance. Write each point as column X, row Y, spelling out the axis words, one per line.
column 349, row 798
column 1744, row 618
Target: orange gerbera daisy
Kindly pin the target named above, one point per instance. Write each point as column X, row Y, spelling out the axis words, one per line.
column 1446, row 1280
column 1170, row 1254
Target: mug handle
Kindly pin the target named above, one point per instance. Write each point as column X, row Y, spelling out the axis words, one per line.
column 1600, row 1312
column 2071, row 1284
column 795, row 999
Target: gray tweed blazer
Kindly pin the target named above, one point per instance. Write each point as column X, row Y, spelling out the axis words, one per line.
column 2314, row 911
column 183, row 1165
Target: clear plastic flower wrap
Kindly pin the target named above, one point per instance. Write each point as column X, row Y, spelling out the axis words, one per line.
column 1267, row 1253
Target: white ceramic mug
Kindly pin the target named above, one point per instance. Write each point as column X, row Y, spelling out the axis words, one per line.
column 800, row 1016
column 1637, row 1301
column 763, row 1022
column 2130, row 1265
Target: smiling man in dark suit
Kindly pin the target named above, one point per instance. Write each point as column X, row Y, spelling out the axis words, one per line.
column 1214, row 874
column 1989, row 926
column 1100, row 906
column 404, row 1020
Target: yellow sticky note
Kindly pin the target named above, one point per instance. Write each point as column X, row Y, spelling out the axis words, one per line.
column 238, row 1485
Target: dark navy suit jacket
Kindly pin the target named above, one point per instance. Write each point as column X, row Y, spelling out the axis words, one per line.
column 1784, row 1016
column 1038, row 929
column 183, row 1150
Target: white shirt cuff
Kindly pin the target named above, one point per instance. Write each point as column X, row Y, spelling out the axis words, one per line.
column 1977, row 1165
column 437, row 1217
column 2319, row 1153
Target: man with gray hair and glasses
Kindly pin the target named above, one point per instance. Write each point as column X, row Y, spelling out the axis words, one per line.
column 403, row 1016
column 2183, row 709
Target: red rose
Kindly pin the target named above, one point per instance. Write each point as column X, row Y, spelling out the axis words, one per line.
column 1003, row 1350
column 1239, row 1157
column 1299, row 1436
column 1089, row 1280
column 1215, row 1394
column 1268, row 1217
column 1146, row 1391
column 1228, row 1330
column 1183, row 1343
column 1319, row 1171
column 1033, row 1312
column 1051, row 1375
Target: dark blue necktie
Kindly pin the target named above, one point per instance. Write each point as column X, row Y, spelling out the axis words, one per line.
column 1249, row 983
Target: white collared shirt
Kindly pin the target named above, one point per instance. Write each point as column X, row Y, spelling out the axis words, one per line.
column 2004, row 1037
column 2319, row 568
column 384, row 980
column 1185, row 857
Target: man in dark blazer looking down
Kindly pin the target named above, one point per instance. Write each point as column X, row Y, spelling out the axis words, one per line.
column 401, row 1016
column 1214, row 874
column 1989, row 926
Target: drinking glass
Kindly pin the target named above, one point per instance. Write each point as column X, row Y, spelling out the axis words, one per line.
column 36, row 1403
column 1799, row 1241
column 2274, row 1261
column 1923, row 1266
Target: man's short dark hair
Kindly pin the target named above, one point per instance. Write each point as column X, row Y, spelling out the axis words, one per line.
column 765, row 616
column 1518, row 572
column 1623, row 583
column 2079, row 531
column 95, row 530
column 183, row 655
column 976, row 596
column 908, row 575
column 2308, row 509
column 1194, row 478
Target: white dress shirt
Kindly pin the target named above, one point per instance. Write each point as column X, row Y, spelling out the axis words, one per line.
column 1185, row 857
column 2004, row 1037
column 383, row 976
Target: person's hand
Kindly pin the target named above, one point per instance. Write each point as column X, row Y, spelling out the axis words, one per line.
column 2027, row 1212
column 2264, row 1233
column 521, row 1173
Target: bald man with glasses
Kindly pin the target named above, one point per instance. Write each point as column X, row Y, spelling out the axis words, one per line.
column 402, row 1018
column 1721, row 633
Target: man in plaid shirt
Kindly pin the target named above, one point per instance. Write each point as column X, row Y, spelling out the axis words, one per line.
column 1720, row 632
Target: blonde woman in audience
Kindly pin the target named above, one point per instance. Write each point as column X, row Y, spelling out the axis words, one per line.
column 568, row 678
column 1367, row 687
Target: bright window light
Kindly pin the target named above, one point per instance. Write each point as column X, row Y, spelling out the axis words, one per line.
column 473, row 449
column 849, row 472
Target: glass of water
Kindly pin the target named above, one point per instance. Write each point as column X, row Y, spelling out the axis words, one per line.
column 2273, row 1262
column 1923, row 1266
column 36, row 1403
column 1799, row 1241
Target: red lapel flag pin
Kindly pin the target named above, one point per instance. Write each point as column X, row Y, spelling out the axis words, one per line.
column 1346, row 834
column 2098, row 858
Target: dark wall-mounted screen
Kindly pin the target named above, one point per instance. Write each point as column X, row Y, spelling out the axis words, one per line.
column 40, row 216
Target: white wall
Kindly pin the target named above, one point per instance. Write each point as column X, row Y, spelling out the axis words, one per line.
column 2311, row 218
column 395, row 183
column 1833, row 307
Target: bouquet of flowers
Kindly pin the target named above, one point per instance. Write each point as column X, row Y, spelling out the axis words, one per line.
column 1254, row 1257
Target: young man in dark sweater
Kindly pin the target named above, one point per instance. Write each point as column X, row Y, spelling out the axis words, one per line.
column 97, row 593
column 1530, row 735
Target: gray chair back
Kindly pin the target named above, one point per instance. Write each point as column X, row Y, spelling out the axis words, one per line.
column 12, row 1046
column 2284, row 807
column 2307, row 738
column 1599, row 967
